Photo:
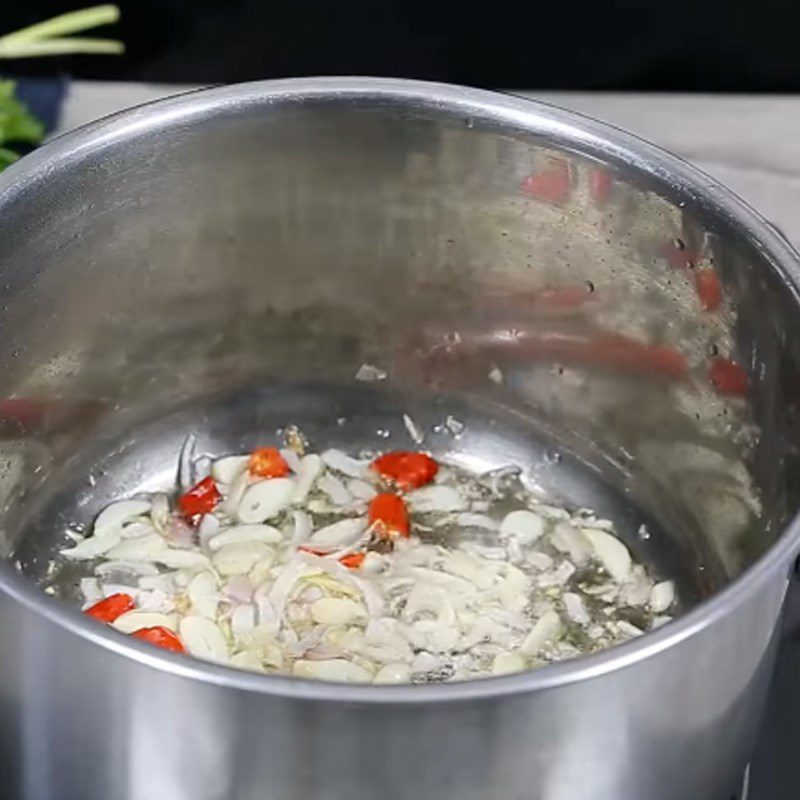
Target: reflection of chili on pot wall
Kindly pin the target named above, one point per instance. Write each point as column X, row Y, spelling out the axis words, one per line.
column 572, row 356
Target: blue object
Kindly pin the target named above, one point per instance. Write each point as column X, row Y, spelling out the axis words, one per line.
column 44, row 97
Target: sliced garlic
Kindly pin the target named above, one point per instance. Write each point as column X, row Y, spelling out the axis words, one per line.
column 247, row 659
column 611, row 553
column 265, row 499
column 203, row 638
column 336, row 611
column 228, row 468
column 662, row 596
column 393, row 673
column 568, row 539
column 435, row 498
column 335, row 669
column 239, row 558
column 548, row 629
column 525, row 526
column 203, row 592
column 508, row 663
column 339, row 534
column 243, row 620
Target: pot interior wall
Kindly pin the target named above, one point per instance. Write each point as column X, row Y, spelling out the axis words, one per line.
column 226, row 270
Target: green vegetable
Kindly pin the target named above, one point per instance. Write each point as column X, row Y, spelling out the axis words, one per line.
column 17, row 124
column 49, row 38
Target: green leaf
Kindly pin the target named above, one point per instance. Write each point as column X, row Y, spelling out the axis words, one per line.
column 7, row 157
column 17, row 124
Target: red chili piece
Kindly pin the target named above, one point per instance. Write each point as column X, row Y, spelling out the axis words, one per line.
column 551, row 184
column 267, row 462
column 113, row 606
column 728, row 377
column 599, row 185
column 679, row 257
column 388, row 515
column 160, row 637
column 408, row 470
column 709, row 288
column 353, row 560
column 200, row 499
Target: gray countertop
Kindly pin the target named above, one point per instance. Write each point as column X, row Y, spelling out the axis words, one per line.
column 748, row 143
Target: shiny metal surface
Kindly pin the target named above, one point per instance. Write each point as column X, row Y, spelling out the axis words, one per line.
column 224, row 261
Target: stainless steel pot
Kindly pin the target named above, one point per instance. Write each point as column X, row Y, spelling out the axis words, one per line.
column 222, row 263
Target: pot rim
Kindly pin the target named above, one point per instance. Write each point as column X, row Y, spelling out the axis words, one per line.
column 566, row 127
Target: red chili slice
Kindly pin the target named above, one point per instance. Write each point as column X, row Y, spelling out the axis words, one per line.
column 551, row 184
column 728, row 377
column 113, row 606
column 679, row 256
column 200, row 499
column 353, row 560
column 408, row 470
column 709, row 288
column 160, row 637
column 599, row 185
column 267, row 462
column 388, row 515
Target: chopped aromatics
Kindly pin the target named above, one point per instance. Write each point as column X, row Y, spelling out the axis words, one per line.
column 388, row 515
column 312, row 566
column 407, row 470
column 113, row 606
column 200, row 499
column 267, row 462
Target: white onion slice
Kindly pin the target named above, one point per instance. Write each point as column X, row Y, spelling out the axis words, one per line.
column 308, row 471
column 182, row 559
column 336, row 491
column 302, row 528
column 94, row 546
column 341, row 462
column 245, row 533
column 117, row 514
column 144, row 548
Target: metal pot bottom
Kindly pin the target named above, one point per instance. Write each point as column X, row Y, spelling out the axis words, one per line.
column 141, row 454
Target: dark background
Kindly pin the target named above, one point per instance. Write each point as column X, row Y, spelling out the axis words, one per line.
column 706, row 45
